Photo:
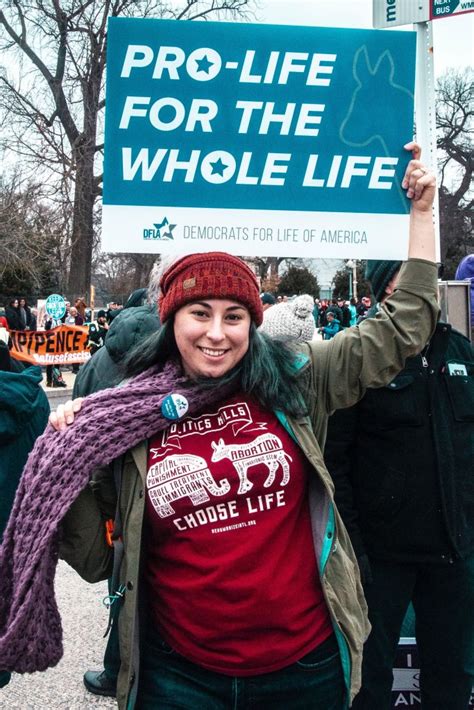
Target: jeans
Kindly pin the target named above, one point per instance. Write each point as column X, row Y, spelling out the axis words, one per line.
column 443, row 599
column 167, row 680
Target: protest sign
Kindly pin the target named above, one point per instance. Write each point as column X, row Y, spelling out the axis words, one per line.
column 60, row 346
column 55, row 306
column 406, row 677
column 256, row 139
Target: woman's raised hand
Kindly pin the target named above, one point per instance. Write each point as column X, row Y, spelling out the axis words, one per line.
column 419, row 181
column 420, row 184
column 65, row 413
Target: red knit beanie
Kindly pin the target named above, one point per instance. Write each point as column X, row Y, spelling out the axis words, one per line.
column 212, row 275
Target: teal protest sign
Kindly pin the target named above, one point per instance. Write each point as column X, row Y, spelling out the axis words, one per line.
column 256, row 139
column 55, row 306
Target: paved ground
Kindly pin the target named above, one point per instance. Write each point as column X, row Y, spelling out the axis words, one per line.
column 84, row 621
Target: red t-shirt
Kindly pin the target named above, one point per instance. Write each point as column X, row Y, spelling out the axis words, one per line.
column 230, row 566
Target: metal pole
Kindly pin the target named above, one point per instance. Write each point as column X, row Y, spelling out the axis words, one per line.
column 354, row 280
column 425, row 107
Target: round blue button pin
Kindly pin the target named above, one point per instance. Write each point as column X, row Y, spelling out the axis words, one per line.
column 174, row 406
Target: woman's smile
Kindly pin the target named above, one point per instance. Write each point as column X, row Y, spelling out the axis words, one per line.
column 212, row 336
column 212, row 353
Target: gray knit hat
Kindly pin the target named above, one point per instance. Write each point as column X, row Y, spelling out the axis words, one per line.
column 290, row 321
column 380, row 273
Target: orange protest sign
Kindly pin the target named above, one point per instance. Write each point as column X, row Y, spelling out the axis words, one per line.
column 59, row 346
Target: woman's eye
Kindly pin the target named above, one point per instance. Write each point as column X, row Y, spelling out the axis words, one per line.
column 200, row 313
column 234, row 317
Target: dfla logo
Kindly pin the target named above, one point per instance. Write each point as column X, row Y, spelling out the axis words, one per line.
column 161, row 231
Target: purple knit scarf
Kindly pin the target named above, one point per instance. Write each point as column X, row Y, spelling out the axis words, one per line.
column 57, row 470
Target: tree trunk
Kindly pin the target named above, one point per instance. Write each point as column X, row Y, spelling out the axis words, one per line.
column 273, row 263
column 82, row 224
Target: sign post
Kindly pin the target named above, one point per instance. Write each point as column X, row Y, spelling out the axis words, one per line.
column 425, row 108
column 391, row 13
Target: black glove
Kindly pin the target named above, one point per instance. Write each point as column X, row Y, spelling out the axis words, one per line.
column 365, row 570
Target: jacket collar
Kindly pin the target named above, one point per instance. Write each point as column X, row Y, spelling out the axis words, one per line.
column 140, row 454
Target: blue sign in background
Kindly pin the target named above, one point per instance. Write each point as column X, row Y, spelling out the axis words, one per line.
column 55, row 306
column 368, row 112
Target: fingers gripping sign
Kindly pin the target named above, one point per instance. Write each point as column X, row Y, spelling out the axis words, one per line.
column 415, row 149
column 418, row 181
column 420, row 184
column 65, row 414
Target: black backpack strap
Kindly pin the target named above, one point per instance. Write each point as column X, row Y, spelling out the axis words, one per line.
column 116, row 591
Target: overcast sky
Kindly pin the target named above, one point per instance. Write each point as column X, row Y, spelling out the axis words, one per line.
column 453, row 36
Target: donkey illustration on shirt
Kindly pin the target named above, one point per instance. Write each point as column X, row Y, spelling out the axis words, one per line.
column 265, row 449
column 179, row 476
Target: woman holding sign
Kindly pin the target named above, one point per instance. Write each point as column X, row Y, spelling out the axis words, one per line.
column 235, row 581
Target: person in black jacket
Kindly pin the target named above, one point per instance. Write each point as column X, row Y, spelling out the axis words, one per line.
column 345, row 313
column 12, row 313
column 334, row 308
column 97, row 332
column 134, row 322
column 28, row 319
column 402, row 461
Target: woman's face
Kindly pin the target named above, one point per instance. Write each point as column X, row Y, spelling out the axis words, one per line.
column 14, row 303
column 212, row 336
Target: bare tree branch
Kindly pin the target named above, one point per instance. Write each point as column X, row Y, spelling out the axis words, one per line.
column 455, row 141
column 56, row 121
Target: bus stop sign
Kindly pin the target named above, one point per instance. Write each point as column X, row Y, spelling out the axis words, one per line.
column 446, row 8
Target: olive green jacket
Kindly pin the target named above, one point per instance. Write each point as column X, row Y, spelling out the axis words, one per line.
column 334, row 374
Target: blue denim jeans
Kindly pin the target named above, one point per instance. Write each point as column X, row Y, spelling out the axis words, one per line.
column 167, row 680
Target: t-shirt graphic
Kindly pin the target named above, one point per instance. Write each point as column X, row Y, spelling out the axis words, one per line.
column 226, row 516
column 266, row 449
column 180, row 475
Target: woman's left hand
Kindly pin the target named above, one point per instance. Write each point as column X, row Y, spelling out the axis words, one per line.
column 65, row 413
column 418, row 181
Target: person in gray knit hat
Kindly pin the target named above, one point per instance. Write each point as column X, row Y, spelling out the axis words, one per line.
column 290, row 321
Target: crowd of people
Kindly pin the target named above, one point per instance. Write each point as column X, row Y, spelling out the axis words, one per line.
column 330, row 316
column 19, row 315
column 268, row 503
